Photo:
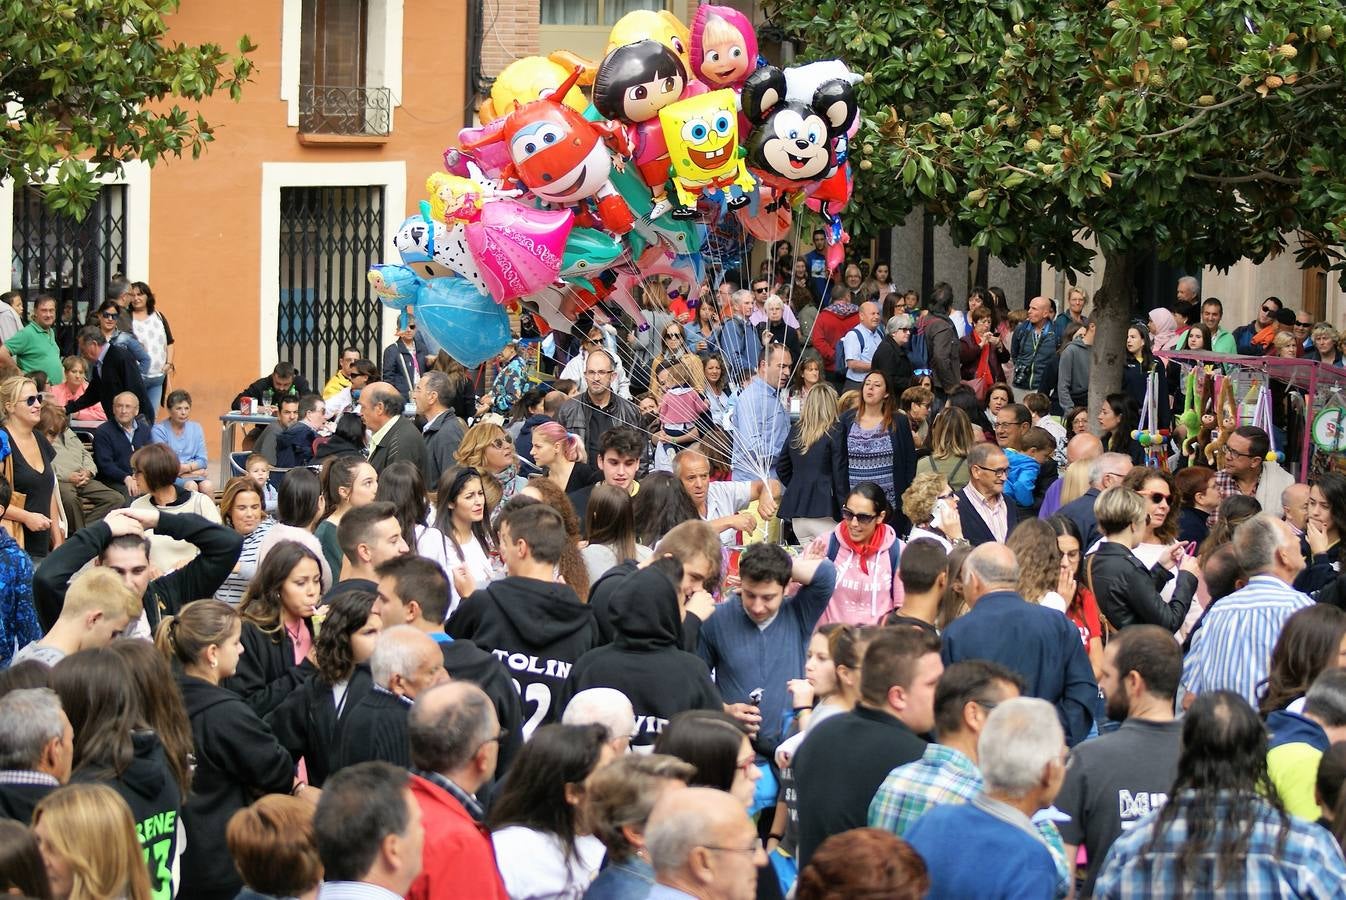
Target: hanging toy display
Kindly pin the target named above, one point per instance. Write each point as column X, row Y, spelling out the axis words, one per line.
column 1227, row 417
column 1262, row 419
column 1148, row 434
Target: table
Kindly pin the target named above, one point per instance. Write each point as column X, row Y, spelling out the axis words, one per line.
column 227, row 423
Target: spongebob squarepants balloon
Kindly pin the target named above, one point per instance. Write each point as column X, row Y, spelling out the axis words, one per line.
column 702, row 137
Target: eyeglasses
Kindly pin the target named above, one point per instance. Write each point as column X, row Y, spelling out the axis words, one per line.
column 1156, row 498
column 671, row 334
column 594, row 373
column 495, row 738
column 949, row 496
column 752, row 849
column 1000, row 425
column 997, row 473
column 863, row 518
column 1231, row 453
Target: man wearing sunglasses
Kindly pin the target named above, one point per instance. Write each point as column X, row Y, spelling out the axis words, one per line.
column 1247, row 471
column 1244, row 334
column 982, row 509
column 404, row 359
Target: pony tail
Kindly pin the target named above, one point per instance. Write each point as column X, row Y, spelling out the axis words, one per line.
column 574, row 448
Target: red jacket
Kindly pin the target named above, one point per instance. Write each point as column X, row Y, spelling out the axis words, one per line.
column 458, row 860
column 830, row 327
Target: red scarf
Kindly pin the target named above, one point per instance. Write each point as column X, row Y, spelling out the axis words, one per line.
column 867, row 549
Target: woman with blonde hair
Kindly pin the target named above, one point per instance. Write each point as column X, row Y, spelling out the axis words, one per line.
column 561, row 457
column 29, row 468
column 1075, row 481
column 805, row 466
column 932, row 506
column 950, row 439
column 486, row 448
column 1042, row 580
column 89, row 844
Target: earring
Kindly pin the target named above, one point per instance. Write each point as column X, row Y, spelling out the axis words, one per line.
column 214, row 664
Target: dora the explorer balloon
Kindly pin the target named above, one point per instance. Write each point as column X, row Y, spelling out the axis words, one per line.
column 633, row 83
column 724, row 47
column 564, row 159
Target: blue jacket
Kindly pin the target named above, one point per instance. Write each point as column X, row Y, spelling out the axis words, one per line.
column 1037, row 642
column 972, row 853
column 741, row 347
column 1032, row 356
column 745, row 657
column 807, row 477
column 112, row 451
column 1023, row 476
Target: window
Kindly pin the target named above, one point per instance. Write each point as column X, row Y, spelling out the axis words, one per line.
column 72, row 260
column 329, row 237
column 592, row 12
column 335, row 94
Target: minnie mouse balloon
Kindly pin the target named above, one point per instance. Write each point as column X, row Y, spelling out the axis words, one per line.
column 468, row 324
column 518, row 249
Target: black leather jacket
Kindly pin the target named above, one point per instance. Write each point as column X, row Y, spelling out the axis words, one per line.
column 1128, row 593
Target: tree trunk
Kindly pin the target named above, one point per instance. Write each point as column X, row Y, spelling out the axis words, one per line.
column 1114, row 305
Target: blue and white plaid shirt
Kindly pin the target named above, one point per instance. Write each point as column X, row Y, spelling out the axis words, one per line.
column 1310, row 865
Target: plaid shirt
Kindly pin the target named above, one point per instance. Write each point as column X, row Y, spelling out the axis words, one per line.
column 944, row 775
column 1228, row 486
column 1310, row 865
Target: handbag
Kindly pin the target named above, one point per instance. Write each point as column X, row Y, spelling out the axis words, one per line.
column 981, row 381
column 16, row 500
column 1108, row 628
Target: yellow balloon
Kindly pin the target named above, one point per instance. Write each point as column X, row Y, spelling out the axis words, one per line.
column 453, row 197
column 524, row 81
column 661, row 26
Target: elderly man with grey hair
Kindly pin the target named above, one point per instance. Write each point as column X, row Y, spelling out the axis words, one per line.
column 1232, row 649
column 36, row 750
column 1189, row 289
column 406, row 663
column 1022, row 756
column 604, row 706
column 738, row 340
column 859, row 345
column 1039, row 643
column 1105, row 471
column 703, row 846
column 455, row 742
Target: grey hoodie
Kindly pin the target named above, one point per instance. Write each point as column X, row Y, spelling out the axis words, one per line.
column 1072, row 379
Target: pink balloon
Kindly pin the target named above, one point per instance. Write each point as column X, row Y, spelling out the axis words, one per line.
column 518, row 248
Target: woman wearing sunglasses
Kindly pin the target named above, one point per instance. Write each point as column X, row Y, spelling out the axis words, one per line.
column 865, row 550
column 673, row 349
column 1129, row 592
column 29, row 467
column 486, row 448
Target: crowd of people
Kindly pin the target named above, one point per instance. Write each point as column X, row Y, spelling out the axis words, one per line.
column 762, row 601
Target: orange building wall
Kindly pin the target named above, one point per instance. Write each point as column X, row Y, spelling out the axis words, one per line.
column 204, row 215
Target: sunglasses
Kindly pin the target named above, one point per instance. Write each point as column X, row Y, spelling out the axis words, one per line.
column 1156, row 498
column 35, row 400
column 108, row 315
column 760, row 290
column 863, row 518
column 1270, row 310
column 1303, row 324
column 500, row 443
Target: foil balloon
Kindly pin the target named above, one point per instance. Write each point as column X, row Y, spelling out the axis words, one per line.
column 468, row 324
column 435, row 250
column 660, row 25
column 517, row 248
column 792, row 143
column 395, row 286
column 526, row 80
column 702, row 136
column 588, row 252
column 724, row 46
column 564, row 159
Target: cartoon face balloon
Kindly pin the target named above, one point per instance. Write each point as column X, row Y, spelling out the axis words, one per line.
column 526, row 80
column 434, row 250
column 792, row 142
column 702, row 136
column 724, row 46
column 661, row 26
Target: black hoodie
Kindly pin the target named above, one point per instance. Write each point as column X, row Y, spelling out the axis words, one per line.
column 644, row 661
column 604, row 592
column 155, row 800
column 537, row 629
column 237, row 760
column 17, row 801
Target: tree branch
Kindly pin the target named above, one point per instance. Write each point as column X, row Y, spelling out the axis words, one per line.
column 1245, row 179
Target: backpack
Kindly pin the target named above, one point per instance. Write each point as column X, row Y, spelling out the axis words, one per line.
column 918, row 351
column 894, row 551
column 839, row 351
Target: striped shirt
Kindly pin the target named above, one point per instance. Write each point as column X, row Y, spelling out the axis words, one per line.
column 1231, row 651
column 231, row 591
column 870, row 451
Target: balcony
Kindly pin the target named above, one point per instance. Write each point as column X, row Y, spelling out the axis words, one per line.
column 330, row 114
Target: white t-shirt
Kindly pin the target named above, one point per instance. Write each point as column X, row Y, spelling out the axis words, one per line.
column 434, row 545
column 724, row 498
column 533, row 864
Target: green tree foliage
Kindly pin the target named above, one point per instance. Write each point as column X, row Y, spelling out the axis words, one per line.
column 95, row 81
column 1200, row 130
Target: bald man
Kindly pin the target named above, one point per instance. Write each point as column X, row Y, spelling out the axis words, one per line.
column 1033, row 349
column 392, row 435
column 722, row 503
column 1037, row 642
column 1082, row 448
column 702, row 845
column 115, row 441
column 858, row 346
column 1295, row 507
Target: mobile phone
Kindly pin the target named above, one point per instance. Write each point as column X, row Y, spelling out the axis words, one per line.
column 755, row 696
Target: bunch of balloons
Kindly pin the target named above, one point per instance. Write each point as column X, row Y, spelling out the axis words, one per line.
column 562, row 204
